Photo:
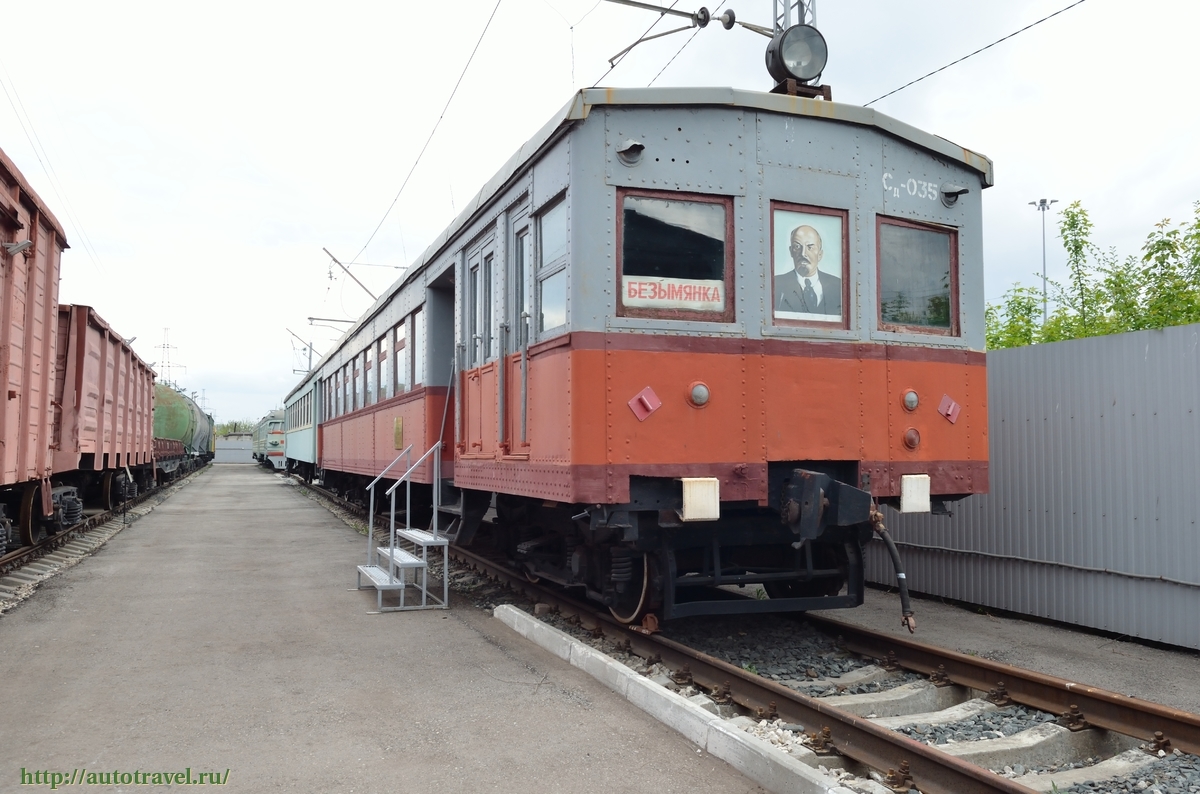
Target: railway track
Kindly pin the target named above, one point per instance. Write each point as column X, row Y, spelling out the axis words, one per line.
column 1071, row 732
column 25, row 566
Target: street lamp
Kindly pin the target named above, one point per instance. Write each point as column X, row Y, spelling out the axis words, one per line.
column 1042, row 205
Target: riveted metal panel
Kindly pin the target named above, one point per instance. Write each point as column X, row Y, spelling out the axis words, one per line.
column 550, row 173
column 695, row 150
column 1093, row 510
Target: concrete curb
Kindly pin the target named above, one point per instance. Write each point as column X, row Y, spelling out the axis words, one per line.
column 758, row 760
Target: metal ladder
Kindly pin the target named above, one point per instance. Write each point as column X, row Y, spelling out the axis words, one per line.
column 394, row 575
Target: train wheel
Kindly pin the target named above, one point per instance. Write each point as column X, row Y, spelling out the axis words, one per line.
column 30, row 526
column 634, row 602
column 106, row 491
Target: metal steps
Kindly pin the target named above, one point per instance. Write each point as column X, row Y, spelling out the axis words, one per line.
column 387, row 567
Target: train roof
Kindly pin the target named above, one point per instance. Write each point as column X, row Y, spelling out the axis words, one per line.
column 10, row 173
column 580, row 106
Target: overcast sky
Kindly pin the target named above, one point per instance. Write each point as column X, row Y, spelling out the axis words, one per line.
column 204, row 154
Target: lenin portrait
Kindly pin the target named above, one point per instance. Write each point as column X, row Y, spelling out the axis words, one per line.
column 807, row 253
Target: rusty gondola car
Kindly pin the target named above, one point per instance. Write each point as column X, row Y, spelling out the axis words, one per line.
column 685, row 338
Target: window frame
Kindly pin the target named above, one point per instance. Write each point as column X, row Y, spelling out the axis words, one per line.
column 955, row 329
column 383, row 362
column 729, row 315
column 401, row 381
column 785, row 322
column 522, row 258
column 416, row 326
column 546, row 270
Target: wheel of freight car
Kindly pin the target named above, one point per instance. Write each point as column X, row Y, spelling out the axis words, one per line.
column 30, row 526
column 634, row 602
column 106, row 491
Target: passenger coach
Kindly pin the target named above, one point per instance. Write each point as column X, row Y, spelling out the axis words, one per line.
column 685, row 337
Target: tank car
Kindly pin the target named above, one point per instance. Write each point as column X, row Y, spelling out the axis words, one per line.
column 270, row 441
column 183, row 433
column 692, row 338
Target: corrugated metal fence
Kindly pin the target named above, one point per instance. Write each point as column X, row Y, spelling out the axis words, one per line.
column 1095, row 491
column 234, row 449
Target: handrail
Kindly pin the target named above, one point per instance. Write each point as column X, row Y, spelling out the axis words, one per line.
column 412, row 468
column 389, row 467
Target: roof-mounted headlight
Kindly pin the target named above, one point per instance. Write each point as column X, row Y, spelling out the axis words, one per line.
column 798, row 53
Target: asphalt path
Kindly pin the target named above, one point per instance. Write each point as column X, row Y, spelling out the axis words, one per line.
column 220, row 632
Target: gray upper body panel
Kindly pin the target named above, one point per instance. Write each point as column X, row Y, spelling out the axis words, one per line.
column 750, row 146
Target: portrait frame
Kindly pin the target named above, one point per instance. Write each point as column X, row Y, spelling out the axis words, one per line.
column 623, row 310
column 832, row 225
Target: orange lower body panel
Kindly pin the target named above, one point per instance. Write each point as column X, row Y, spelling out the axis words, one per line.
column 367, row 441
column 770, row 401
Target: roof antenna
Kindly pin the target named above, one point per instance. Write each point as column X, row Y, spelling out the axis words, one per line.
column 700, row 19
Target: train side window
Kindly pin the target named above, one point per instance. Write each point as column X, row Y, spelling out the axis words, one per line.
column 370, row 374
column 401, row 359
column 346, row 370
column 360, row 380
column 473, row 338
column 489, row 333
column 418, row 348
column 520, row 294
column 552, row 268
column 676, row 256
column 918, row 277
column 385, row 369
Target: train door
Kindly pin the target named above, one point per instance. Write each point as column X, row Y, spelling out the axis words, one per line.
column 480, row 370
column 515, row 336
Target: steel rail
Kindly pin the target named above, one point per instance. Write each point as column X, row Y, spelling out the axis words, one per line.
column 1098, row 707
column 13, row 560
column 860, row 739
column 932, row 771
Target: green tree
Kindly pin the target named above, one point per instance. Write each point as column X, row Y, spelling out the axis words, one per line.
column 1016, row 320
column 1104, row 294
column 235, row 426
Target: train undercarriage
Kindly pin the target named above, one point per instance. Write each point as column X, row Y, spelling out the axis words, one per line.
column 802, row 551
column 23, row 521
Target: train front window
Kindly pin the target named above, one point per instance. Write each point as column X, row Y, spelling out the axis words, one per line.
column 918, row 288
column 675, row 257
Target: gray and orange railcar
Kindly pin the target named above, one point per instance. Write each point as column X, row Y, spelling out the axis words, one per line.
column 685, row 338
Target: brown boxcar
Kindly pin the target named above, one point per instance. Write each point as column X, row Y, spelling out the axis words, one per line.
column 76, row 413
column 104, row 398
column 31, row 244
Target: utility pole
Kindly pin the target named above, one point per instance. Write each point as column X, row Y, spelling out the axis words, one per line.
column 1041, row 205
column 168, row 368
column 306, row 344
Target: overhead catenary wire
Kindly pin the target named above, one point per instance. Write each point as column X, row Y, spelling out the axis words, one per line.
column 969, row 55
column 695, row 33
column 43, row 158
column 432, row 132
column 621, row 59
